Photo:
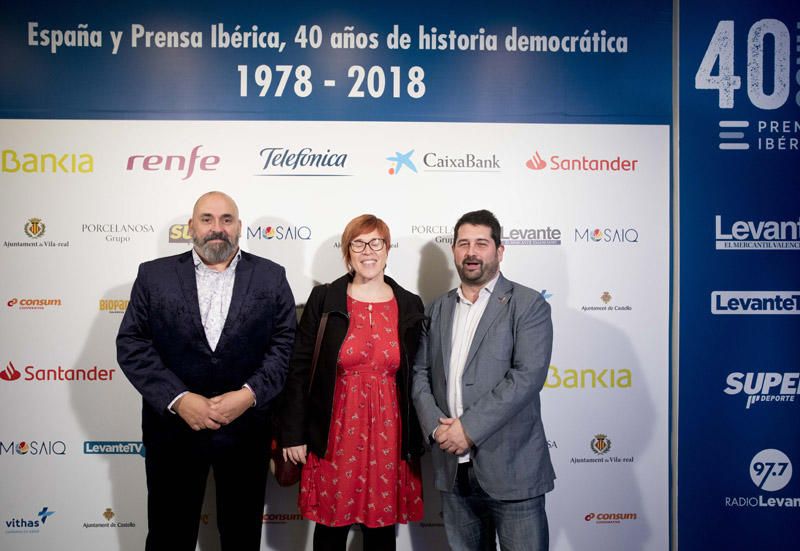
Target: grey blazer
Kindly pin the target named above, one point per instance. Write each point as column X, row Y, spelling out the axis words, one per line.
column 505, row 371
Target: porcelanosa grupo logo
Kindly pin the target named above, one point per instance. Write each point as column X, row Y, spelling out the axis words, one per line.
column 770, row 471
column 441, row 233
column 757, row 234
column 182, row 165
column 400, row 160
column 306, row 161
column 771, row 388
column 117, row 233
column 558, row 163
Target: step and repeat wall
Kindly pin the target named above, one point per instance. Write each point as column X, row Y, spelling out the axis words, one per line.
column 739, row 436
column 554, row 116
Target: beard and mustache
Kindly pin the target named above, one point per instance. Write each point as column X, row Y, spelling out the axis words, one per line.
column 215, row 253
column 486, row 270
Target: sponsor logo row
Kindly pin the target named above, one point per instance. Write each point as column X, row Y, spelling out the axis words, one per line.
column 32, row 448
column 36, row 523
column 310, row 161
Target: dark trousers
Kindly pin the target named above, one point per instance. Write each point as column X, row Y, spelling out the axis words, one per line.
column 334, row 538
column 177, row 466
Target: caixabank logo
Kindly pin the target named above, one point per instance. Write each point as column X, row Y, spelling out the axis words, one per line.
column 29, row 524
column 770, row 471
column 755, row 234
column 32, row 448
column 56, row 374
column 588, row 378
column 581, row 163
column 764, row 388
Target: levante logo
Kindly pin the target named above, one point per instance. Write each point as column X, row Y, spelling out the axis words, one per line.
column 757, row 234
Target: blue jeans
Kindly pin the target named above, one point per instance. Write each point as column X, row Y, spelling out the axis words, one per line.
column 472, row 517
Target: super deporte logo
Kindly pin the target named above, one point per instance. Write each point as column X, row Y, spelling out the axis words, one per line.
column 764, row 387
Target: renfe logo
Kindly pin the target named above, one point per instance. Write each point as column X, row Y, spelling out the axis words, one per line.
column 155, row 163
column 755, row 302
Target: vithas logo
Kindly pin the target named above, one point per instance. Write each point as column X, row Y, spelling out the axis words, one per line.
column 10, row 373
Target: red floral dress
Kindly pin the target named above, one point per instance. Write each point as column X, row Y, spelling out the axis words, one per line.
column 361, row 479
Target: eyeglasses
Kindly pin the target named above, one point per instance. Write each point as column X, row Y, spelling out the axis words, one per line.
column 358, row 246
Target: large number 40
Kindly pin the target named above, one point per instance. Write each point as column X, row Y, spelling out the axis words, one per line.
column 720, row 48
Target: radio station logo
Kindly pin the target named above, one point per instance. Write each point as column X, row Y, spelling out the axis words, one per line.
column 113, row 305
column 622, row 235
column 757, row 234
column 763, row 387
column 33, row 447
column 114, row 447
column 32, row 373
column 461, row 162
column 46, row 163
column 306, row 161
column 770, row 471
column 179, row 233
column 588, row 378
column 600, row 446
column 530, row 236
column 29, row 525
column 111, row 521
column 118, row 233
column 400, row 160
column 557, row 163
column 755, row 302
column 180, row 164
column 33, row 303
column 609, row 518
column 604, row 304
column 35, row 229
column 279, row 233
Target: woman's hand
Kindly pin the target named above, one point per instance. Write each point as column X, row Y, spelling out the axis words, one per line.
column 295, row 454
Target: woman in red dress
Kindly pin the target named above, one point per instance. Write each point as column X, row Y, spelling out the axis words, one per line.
column 349, row 420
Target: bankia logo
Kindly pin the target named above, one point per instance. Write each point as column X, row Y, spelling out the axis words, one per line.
column 180, row 164
column 32, row 373
column 29, row 524
column 756, row 234
column 755, row 302
column 33, row 447
column 764, row 387
column 588, row 378
column 530, row 236
column 24, row 303
column 400, row 160
column 582, row 163
column 279, row 232
column 437, row 161
column 770, row 471
column 46, row 163
column 611, row 235
column 305, row 161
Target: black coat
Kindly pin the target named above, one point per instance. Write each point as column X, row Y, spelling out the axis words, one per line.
column 305, row 415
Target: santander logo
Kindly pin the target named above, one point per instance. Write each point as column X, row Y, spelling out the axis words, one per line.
column 535, row 162
column 10, row 373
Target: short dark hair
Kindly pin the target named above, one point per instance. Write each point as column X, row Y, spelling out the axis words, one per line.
column 480, row 218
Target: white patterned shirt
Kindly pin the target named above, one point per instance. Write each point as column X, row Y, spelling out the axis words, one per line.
column 214, row 293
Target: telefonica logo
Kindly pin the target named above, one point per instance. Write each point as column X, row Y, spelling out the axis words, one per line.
column 763, row 387
column 755, row 302
column 757, row 234
column 181, row 164
column 47, row 163
column 581, row 164
column 283, row 161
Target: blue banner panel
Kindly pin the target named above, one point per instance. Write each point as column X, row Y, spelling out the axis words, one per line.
column 739, row 439
column 418, row 61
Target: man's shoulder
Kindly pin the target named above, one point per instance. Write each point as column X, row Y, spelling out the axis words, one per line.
column 165, row 262
column 261, row 263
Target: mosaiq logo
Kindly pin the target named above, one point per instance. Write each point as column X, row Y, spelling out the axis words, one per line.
column 279, row 233
column 756, row 234
column 181, row 164
column 306, row 161
column 770, row 471
column 33, row 447
column 558, row 163
column 620, row 235
column 764, row 387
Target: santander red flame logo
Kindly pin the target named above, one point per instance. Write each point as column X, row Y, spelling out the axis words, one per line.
column 536, row 162
column 10, row 373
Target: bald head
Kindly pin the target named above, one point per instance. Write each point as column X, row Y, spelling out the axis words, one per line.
column 215, row 228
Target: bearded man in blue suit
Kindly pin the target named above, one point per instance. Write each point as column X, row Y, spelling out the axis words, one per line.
column 206, row 340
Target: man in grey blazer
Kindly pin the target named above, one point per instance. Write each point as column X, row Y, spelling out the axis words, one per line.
column 480, row 367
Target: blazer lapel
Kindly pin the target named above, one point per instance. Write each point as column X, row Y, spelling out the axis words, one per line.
column 497, row 303
column 186, row 276
column 446, row 335
column 241, row 284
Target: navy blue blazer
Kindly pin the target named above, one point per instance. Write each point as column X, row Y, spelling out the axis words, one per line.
column 162, row 347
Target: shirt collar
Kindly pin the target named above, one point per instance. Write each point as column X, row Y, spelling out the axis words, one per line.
column 200, row 265
column 487, row 289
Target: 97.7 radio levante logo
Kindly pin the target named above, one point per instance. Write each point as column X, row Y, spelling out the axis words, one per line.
column 770, row 471
column 768, row 81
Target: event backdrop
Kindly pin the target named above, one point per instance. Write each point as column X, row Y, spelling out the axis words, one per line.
column 739, row 437
column 555, row 117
